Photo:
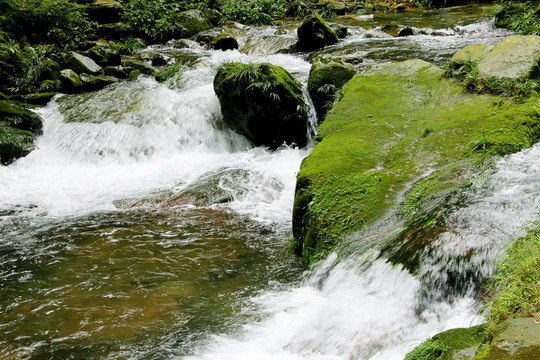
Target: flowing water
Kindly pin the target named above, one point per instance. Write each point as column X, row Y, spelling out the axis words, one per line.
column 141, row 228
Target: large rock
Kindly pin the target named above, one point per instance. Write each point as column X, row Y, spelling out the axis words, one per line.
column 105, row 11
column 326, row 78
column 16, row 116
column 137, row 64
column 104, row 54
column 70, row 81
column 337, row 7
column 262, row 102
column 393, row 123
column 191, row 22
column 14, row 143
column 515, row 339
column 314, row 34
column 515, row 57
column 82, row 64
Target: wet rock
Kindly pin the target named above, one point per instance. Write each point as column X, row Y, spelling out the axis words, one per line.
column 407, row 31
column 314, row 34
column 158, row 60
column 16, row 116
column 140, row 65
column 262, row 102
column 81, row 64
column 224, row 42
column 70, row 81
column 14, row 144
column 92, row 83
column 326, row 78
column 105, row 11
column 340, row 30
column 35, row 99
column 191, row 22
column 185, row 44
column 116, row 71
column 391, row 29
column 515, row 57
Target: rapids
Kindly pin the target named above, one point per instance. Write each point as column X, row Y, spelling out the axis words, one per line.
column 103, row 256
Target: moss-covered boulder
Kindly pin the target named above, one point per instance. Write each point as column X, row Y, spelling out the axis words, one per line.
column 469, row 53
column 395, row 121
column 314, row 34
column 18, row 117
column 515, row 339
column 262, row 102
column 191, row 22
column 14, row 143
column 326, row 78
column 104, row 54
column 513, row 58
column 335, row 6
column 70, row 81
column 81, row 64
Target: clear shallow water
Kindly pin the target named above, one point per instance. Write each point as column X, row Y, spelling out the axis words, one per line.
column 142, row 228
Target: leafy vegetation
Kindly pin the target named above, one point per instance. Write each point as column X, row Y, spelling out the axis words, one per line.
column 520, row 16
column 255, row 12
column 44, row 21
column 516, row 286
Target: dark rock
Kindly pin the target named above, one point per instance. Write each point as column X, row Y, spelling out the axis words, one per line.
column 340, row 30
column 51, row 70
column 407, row 31
column 263, row 102
column 191, row 22
column 81, row 64
column 116, row 71
column 16, row 116
column 35, row 99
column 105, row 11
column 158, row 60
column 326, row 78
column 113, row 31
column 70, row 81
column 337, row 7
column 315, row 33
column 104, row 54
column 224, row 42
column 14, row 144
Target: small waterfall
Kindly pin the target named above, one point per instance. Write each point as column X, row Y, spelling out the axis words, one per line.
column 364, row 307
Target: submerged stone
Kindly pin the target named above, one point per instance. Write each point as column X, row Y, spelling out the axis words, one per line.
column 262, row 102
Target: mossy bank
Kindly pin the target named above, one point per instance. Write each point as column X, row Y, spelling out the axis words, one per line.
column 401, row 135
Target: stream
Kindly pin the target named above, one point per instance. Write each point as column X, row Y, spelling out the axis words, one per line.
column 142, row 228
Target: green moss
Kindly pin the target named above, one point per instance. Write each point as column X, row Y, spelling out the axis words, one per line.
column 515, row 287
column 445, row 345
column 377, row 131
